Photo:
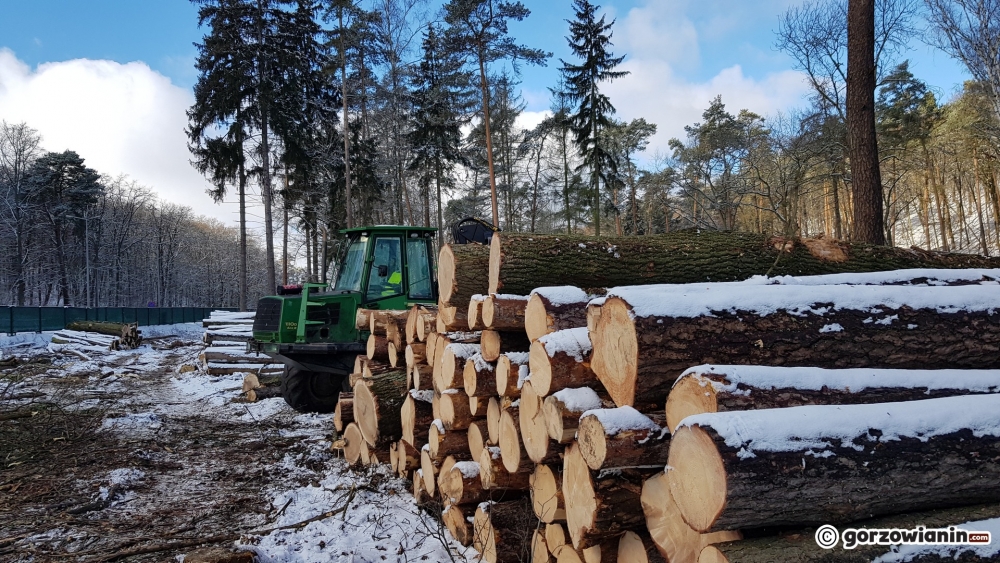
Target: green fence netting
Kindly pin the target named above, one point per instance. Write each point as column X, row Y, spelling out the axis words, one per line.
column 37, row 319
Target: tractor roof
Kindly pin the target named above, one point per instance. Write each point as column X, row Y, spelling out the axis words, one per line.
column 386, row 228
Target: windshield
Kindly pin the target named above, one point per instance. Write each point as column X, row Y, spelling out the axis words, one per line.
column 353, row 264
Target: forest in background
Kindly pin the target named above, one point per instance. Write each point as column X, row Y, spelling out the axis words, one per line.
column 278, row 77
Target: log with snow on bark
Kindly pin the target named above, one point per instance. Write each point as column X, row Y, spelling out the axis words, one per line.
column 416, row 414
column 519, row 262
column 230, row 355
column 512, row 371
column 599, row 505
column 621, row 437
column 563, row 409
column 554, row 308
column 228, row 369
column 714, row 388
column 800, row 545
column 560, row 360
column 474, row 317
column 443, row 443
column 479, row 377
column 494, row 343
column 505, row 312
column 449, row 372
column 462, row 485
column 674, row 539
column 503, row 531
column 648, row 335
column 496, row 477
column 909, row 276
column 454, row 409
column 456, row 520
column 834, row 463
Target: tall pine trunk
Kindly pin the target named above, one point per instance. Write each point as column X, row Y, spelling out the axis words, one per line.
column 863, row 146
column 243, row 236
column 489, row 142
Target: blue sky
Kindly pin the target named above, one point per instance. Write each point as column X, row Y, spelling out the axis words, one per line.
column 112, row 78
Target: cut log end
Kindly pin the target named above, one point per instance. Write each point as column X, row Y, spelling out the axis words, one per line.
column 711, row 554
column 355, row 447
column 689, row 397
column 697, row 477
column 536, row 319
column 593, row 441
column 615, row 357
column 546, row 495
column 578, row 494
column 446, row 273
column 511, row 450
column 673, row 537
column 454, row 518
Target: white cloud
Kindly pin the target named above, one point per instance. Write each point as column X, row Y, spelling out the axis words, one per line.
column 121, row 118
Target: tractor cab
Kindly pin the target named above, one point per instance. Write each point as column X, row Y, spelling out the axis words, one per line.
column 311, row 328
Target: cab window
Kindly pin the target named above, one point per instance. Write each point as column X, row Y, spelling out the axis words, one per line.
column 418, row 268
column 385, row 278
column 349, row 277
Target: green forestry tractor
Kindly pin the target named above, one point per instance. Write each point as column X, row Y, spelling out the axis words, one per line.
column 310, row 328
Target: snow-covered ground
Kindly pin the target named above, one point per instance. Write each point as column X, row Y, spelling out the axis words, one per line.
column 176, row 455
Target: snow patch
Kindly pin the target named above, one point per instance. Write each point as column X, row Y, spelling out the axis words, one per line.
column 906, row 553
column 573, row 342
column 578, row 400
column 620, row 419
column 561, row 294
column 834, row 327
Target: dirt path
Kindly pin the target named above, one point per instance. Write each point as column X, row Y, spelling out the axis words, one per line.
column 105, row 459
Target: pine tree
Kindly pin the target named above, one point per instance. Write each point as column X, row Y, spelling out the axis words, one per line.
column 478, row 31
column 441, row 97
column 590, row 40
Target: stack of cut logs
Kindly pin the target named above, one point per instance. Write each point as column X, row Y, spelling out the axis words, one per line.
column 226, row 334
column 662, row 422
column 110, row 335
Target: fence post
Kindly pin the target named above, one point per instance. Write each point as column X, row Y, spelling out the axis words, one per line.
column 11, row 328
column 39, row 318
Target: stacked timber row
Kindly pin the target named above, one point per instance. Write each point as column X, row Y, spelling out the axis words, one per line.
column 569, row 419
column 226, row 334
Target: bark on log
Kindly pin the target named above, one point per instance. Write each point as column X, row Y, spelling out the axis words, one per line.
column 496, row 477
column 389, row 323
column 494, row 343
column 378, row 348
column 416, row 415
column 362, row 319
column 447, row 443
column 474, row 318
column 522, row 262
column 831, row 464
column 450, row 372
column 673, row 537
column 561, row 360
column 800, row 545
column 343, row 413
column 554, row 308
column 510, row 374
column 226, row 355
column 377, row 407
column 462, row 485
column 638, row 548
column 478, row 435
column 454, row 406
column 647, row 337
column 479, row 377
column 563, row 409
column 622, row 437
column 503, row 531
column 103, row 327
column 355, row 446
column 599, row 507
column 546, row 494
column 504, row 312
column 712, row 388
column 532, row 426
column 455, row 518
column 463, row 271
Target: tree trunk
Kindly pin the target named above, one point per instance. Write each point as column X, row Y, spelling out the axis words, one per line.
column 504, row 312
column 801, row 546
column 621, row 437
column 561, row 360
column 599, row 507
column 739, row 388
column 463, row 271
column 512, row 369
column 377, row 407
column 484, row 86
column 862, row 143
column 788, row 326
column 844, row 463
column 554, row 308
column 520, row 263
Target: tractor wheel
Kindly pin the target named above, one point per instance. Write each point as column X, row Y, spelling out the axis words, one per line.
column 309, row 391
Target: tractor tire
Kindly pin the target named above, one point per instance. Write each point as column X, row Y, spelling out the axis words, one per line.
column 308, row 391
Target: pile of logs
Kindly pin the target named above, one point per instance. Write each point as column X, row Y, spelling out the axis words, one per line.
column 568, row 424
column 115, row 336
column 227, row 355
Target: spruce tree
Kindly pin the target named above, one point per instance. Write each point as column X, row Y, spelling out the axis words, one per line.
column 590, row 40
